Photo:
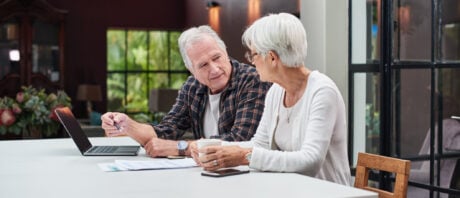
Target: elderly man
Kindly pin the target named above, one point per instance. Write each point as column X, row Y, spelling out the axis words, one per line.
column 223, row 98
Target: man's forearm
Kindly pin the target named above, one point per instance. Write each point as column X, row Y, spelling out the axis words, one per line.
column 142, row 133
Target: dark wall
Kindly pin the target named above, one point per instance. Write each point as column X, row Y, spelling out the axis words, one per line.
column 87, row 22
column 85, row 43
column 234, row 18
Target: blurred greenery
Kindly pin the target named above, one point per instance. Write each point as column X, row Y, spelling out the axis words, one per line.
column 138, row 61
column 372, row 128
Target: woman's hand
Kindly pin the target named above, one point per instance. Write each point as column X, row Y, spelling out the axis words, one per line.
column 194, row 152
column 217, row 157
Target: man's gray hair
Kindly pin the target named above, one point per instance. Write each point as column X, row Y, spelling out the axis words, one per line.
column 282, row 33
column 193, row 35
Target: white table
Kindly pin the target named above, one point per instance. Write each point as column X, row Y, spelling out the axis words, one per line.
column 55, row 168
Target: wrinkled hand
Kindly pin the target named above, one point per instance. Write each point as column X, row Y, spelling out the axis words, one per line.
column 194, row 152
column 157, row 147
column 217, row 157
column 114, row 123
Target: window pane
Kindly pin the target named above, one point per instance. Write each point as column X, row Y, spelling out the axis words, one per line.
column 446, row 93
column 9, row 42
column 450, row 30
column 116, row 50
column 449, row 89
column 147, row 66
column 115, row 92
column 175, row 58
column 412, row 33
column 451, row 42
column 177, row 80
column 411, row 115
column 137, row 50
column 366, row 113
column 365, row 31
column 450, row 25
column 158, row 80
column 46, row 61
column 448, row 85
column 413, row 191
column 45, row 50
column 158, row 55
column 137, row 93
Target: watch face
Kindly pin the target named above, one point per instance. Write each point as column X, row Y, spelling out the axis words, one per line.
column 182, row 145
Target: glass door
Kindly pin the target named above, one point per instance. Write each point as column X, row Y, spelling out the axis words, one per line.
column 405, row 89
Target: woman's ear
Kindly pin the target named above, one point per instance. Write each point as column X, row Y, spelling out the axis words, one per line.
column 273, row 57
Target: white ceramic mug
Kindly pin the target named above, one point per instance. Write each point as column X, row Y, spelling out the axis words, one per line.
column 201, row 143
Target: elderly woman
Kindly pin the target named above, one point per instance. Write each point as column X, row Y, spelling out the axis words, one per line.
column 303, row 127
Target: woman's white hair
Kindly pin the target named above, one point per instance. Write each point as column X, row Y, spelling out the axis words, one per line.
column 282, row 33
column 193, row 35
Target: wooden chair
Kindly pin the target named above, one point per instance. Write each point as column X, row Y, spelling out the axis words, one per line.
column 400, row 167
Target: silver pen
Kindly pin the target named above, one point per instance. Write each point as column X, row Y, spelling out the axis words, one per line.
column 117, row 126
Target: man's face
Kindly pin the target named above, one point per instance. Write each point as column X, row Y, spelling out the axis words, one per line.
column 210, row 64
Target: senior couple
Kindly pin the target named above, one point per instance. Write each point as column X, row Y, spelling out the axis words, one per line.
column 297, row 124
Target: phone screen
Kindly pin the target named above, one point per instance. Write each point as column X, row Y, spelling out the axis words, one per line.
column 224, row 172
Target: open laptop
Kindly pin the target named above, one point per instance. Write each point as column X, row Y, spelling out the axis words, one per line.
column 75, row 131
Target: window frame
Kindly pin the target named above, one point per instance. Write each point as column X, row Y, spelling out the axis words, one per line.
column 148, row 72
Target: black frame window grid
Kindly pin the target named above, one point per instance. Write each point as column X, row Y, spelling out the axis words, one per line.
column 138, row 61
column 404, row 68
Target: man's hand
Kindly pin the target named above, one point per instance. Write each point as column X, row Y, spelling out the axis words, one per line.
column 114, row 123
column 157, row 147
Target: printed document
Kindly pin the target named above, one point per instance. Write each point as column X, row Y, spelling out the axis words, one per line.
column 131, row 165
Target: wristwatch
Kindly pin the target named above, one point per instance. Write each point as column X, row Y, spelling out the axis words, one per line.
column 182, row 147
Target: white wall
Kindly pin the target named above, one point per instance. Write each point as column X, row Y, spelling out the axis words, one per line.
column 326, row 22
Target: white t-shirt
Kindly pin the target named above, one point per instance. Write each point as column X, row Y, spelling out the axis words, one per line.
column 211, row 116
column 283, row 134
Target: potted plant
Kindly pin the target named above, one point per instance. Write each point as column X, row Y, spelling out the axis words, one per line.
column 31, row 113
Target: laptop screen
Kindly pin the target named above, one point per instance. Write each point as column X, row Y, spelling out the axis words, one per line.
column 73, row 128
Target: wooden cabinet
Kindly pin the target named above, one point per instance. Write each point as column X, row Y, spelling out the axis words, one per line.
column 31, row 46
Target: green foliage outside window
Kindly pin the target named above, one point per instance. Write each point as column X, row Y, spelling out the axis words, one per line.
column 138, row 61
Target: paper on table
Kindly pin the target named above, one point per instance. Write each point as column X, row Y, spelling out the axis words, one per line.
column 123, row 165
column 110, row 167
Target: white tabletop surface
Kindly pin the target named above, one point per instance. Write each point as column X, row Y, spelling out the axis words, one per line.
column 55, row 168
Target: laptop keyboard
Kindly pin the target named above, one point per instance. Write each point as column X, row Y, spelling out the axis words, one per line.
column 104, row 149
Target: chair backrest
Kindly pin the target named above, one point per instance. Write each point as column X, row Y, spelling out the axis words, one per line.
column 400, row 167
column 162, row 100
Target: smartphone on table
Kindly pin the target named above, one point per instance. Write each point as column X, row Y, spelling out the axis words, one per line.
column 224, row 172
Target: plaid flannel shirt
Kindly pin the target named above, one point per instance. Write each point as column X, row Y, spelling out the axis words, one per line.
column 241, row 107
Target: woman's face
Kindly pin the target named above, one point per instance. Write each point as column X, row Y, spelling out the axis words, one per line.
column 261, row 63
